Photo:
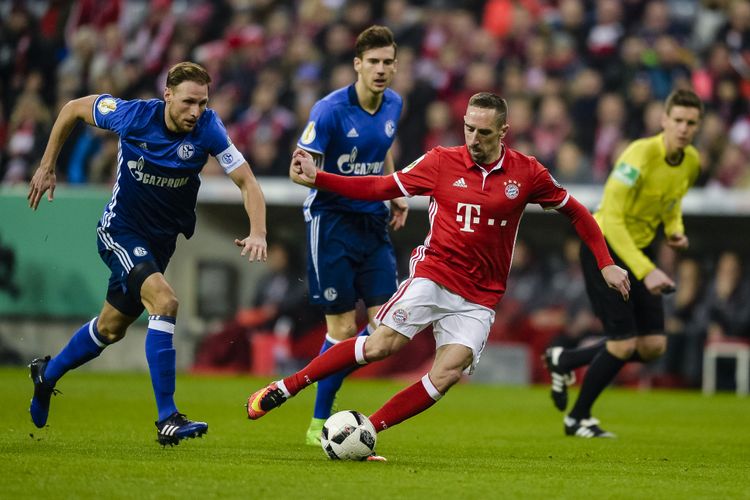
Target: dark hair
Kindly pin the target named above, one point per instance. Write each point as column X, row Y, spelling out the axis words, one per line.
column 683, row 97
column 187, row 72
column 374, row 37
column 488, row 100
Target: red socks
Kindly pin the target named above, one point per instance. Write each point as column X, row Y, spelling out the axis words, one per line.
column 413, row 400
column 346, row 354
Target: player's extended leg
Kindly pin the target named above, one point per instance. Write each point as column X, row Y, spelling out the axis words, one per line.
column 347, row 354
column 450, row 362
column 86, row 344
column 161, row 303
column 340, row 327
column 600, row 374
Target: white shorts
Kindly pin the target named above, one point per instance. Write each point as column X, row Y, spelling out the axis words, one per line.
column 419, row 302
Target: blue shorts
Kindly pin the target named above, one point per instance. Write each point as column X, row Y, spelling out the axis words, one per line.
column 349, row 257
column 122, row 251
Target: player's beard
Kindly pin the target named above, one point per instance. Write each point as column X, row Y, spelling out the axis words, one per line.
column 183, row 127
column 478, row 155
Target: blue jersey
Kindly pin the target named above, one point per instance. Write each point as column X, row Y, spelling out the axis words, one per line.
column 158, row 170
column 351, row 142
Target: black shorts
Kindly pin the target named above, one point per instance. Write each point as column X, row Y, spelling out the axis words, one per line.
column 642, row 314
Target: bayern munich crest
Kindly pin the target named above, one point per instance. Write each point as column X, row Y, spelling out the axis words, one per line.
column 512, row 189
column 399, row 316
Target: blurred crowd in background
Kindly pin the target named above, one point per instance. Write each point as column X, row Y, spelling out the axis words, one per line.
column 582, row 77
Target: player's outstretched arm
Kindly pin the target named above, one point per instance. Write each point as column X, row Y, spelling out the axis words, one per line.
column 44, row 178
column 254, row 245
column 589, row 232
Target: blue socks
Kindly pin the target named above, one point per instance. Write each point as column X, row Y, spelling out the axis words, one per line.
column 329, row 386
column 160, row 355
column 85, row 345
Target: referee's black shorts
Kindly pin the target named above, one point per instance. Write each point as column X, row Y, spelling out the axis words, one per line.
column 642, row 314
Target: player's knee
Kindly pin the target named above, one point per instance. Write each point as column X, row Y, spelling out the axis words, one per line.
column 652, row 350
column 112, row 331
column 622, row 349
column 382, row 344
column 445, row 378
column 343, row 332
column 375, row 349
column 166, row 304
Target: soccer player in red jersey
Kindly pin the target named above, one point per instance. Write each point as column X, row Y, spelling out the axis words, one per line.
column 478, row 193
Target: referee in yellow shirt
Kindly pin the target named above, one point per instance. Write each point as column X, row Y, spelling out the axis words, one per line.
column 643, row 191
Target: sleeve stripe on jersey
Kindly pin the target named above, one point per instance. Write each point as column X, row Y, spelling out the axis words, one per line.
column 93, row 109
column 309, row 149
column 401, row 186
column 562, row 203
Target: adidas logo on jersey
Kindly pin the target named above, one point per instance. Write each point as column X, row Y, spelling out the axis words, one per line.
column 460, row 183
column 352, row 133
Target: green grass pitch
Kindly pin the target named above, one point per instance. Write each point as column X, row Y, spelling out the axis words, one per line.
column 479, row 442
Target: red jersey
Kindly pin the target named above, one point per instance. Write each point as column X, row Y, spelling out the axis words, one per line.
column 474, row 217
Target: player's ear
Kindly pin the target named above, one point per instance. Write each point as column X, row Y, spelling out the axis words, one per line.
column 167, row 94
column 504, row 130
column 357, row 64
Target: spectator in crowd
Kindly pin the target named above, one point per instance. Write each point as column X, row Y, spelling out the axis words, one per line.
column 723, row 315
column 568, row 53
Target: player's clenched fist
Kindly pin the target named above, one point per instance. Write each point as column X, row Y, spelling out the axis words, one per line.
column 302, row 168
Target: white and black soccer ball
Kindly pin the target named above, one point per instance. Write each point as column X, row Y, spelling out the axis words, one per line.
column 348, row 435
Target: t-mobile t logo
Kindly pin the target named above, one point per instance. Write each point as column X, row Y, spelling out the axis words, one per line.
column 468, row 214
column 468, row 217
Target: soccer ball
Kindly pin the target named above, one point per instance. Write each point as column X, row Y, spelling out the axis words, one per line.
column 348, row 435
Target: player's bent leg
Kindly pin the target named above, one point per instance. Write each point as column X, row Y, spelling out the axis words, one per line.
column 347, row 354
column 446, row 371
column 450, row 362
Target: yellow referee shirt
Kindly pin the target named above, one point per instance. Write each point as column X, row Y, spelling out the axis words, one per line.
column 643, row 191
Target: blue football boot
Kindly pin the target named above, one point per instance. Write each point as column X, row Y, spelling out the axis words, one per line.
column 177, row 427
column 43, row 391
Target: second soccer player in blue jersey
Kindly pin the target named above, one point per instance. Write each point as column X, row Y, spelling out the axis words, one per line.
column 350, row 255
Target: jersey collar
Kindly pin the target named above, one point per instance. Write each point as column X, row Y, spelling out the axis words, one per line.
column 354, row 100
column 469, row 163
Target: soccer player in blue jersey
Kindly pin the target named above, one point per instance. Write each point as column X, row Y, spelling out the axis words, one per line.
column 163, row 146
column 350, row 255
